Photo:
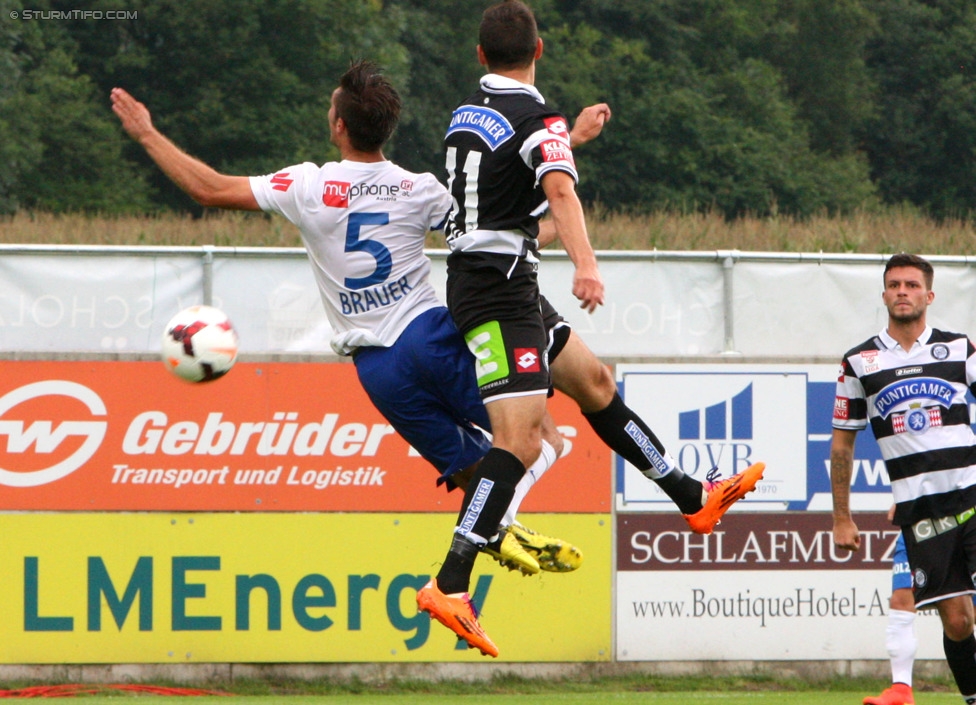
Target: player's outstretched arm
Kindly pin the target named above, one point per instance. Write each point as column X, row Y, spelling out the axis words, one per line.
column 202, row 183
column 846, row 534
column 589, row 124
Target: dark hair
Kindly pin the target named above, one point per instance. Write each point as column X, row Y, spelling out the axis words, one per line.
column 369, row 105
column 508, row 36
column 903, row 259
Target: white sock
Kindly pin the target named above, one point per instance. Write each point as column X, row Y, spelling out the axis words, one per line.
column 901, row 642
column 545, row 460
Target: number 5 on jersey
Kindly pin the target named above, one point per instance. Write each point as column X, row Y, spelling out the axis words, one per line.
column 377, row 250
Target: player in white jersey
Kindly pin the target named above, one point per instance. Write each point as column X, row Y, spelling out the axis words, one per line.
column 372, row 287
column 910, row 383
column 363, row 221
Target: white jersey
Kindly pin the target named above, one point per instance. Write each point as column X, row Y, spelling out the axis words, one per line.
column 363, row 225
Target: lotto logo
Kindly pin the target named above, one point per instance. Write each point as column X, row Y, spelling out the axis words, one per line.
column 335, row 194
column 527, row 359
column 841, row 406
column 557, row 126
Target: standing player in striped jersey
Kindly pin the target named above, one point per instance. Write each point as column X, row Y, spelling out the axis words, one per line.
column 910, row 382
column 509, row 159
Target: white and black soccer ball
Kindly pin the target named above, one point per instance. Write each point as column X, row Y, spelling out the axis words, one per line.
column 199, row 344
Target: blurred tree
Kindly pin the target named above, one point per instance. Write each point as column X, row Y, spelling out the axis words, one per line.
column 244, row 85
column 59, row 149
column 820, row 47
column 440, row 38
column 702, row 115
column 748, row 106
column 922, row 143
column 20, row 148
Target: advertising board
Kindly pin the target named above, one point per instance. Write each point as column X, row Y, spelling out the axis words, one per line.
column 728, row 416
column 279, row 587
column 303, row 436
column 768, row 584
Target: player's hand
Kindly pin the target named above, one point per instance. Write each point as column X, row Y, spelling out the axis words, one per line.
column 846, row 534
column 589, row 124
column 588, row 288
column 135, row 117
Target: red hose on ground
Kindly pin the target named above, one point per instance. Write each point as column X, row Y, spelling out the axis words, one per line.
column 70, row 689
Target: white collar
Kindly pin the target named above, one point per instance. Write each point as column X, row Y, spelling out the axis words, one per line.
column 890, row 343
column 493, row 83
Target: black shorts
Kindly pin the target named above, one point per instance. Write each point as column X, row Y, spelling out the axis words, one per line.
column 508, row 326
column 557, row 328
column 943, row 564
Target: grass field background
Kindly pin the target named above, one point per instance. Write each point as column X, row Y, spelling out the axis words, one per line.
column 887, row 230
column 512, row 690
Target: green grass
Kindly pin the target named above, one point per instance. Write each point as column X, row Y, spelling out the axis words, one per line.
column 611, row 698
column 509, row 690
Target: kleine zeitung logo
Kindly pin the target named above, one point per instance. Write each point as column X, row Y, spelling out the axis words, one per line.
column 45, row 436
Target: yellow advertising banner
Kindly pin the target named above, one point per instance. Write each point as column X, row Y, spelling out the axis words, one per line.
column 282, row 587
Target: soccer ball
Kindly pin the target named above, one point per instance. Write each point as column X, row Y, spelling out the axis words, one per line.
column 199, row 344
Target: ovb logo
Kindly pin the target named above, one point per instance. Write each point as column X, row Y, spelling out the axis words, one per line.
column 723, row 429
column 727, row 417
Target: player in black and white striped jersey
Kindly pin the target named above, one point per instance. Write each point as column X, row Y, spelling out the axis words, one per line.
column 509, row 160
column 910, row 382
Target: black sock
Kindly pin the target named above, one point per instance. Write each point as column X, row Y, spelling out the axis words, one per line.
column 630, row 438
column 485, row 501
column 457, row 565
column 684, row 491
column 961, row 657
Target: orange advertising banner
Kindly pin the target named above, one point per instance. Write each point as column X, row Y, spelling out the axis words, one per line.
column 279, row 436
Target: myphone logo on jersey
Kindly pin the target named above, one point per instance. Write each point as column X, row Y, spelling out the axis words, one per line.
column 338, row 194
column 335, row 194
column 717, row 417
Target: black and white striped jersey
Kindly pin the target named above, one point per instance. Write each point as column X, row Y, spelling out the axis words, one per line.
column 916, row 404
column 501, row 142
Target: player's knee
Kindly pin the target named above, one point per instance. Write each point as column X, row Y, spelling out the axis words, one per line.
column 902, row 599
column 600, row 388
column 957, row 626
column 604, row 382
